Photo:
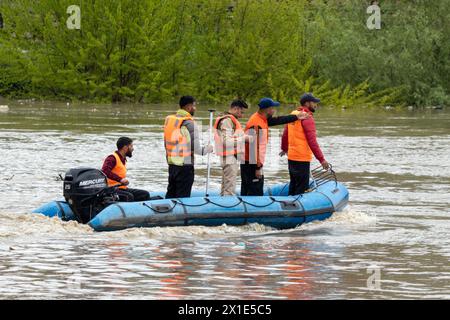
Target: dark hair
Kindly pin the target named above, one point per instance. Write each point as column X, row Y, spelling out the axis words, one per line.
column 123, row 141
column 239, row 103
column 185, row 100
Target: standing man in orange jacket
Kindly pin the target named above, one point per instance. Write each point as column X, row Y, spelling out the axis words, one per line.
column 299, row 141
column 229, row 138
column 257, row 127
column 182, row 142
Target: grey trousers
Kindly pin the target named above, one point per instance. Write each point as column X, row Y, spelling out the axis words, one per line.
column 230, row 167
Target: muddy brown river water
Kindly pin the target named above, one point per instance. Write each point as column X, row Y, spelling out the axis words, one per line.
column 392, row 241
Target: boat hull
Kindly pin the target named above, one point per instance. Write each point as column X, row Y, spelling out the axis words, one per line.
column 275, row 209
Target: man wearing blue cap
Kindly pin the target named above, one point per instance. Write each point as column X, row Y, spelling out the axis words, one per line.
column 299, row 141
column 257, row 127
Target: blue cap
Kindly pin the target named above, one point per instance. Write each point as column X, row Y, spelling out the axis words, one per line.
column 265, row 103
column 308, row 97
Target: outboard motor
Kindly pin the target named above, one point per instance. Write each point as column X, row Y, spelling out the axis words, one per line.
column 86, row 191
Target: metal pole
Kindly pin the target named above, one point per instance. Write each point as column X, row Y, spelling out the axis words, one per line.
column 211, row 114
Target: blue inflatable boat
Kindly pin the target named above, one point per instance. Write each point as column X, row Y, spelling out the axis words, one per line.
column 275, row 209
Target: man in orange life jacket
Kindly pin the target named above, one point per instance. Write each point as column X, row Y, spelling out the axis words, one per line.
column 229, row 138
column 257, row 127
column 182, row 141
column 300, row 143
column 114, row 167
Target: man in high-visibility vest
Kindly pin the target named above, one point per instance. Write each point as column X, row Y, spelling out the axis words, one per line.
column 115, row 169
column 229, row 138
column 257, row 127
column 300, row 143
column 182, row 141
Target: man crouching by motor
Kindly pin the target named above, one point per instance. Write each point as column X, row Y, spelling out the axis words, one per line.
column 115, row 169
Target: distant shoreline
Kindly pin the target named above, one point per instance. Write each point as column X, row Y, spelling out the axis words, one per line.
column 64, row 103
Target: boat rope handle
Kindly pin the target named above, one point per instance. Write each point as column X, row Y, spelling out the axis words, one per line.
column 207, row 200
column 226, row 207
column 192, row 205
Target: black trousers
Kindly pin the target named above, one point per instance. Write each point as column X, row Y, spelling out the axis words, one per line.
column 250, row 185
column 130, row 195
column 181, row 179
column 299, row 173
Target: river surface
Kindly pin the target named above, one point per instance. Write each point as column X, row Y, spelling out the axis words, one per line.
column 392, row 241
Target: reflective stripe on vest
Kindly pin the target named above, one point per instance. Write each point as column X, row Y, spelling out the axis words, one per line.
column 257, row 126
column 120, row 170
column 299, row 149
column 177, row 146
column 228, row 148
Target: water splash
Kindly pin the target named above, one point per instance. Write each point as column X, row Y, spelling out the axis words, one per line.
column 35, row 225
column 168, row 233
column 351, row 216
column 19, row 225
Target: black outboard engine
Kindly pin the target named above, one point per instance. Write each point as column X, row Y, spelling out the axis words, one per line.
column 86, row 191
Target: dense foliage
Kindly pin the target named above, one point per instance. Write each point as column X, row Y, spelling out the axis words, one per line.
column 156, row 50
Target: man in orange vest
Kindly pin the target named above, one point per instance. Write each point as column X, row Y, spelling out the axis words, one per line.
column 257, row 127
column 300, row 143
column 182, row 141
column 229, row 138
column 115, row 169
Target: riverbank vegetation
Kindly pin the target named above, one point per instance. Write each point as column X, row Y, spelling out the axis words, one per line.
column 155, row 50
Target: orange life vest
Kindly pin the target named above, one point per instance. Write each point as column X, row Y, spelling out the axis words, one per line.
column 299, row 149
column 177, row 146
column 228, row 149
column 120, row 170
column 258, row 127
